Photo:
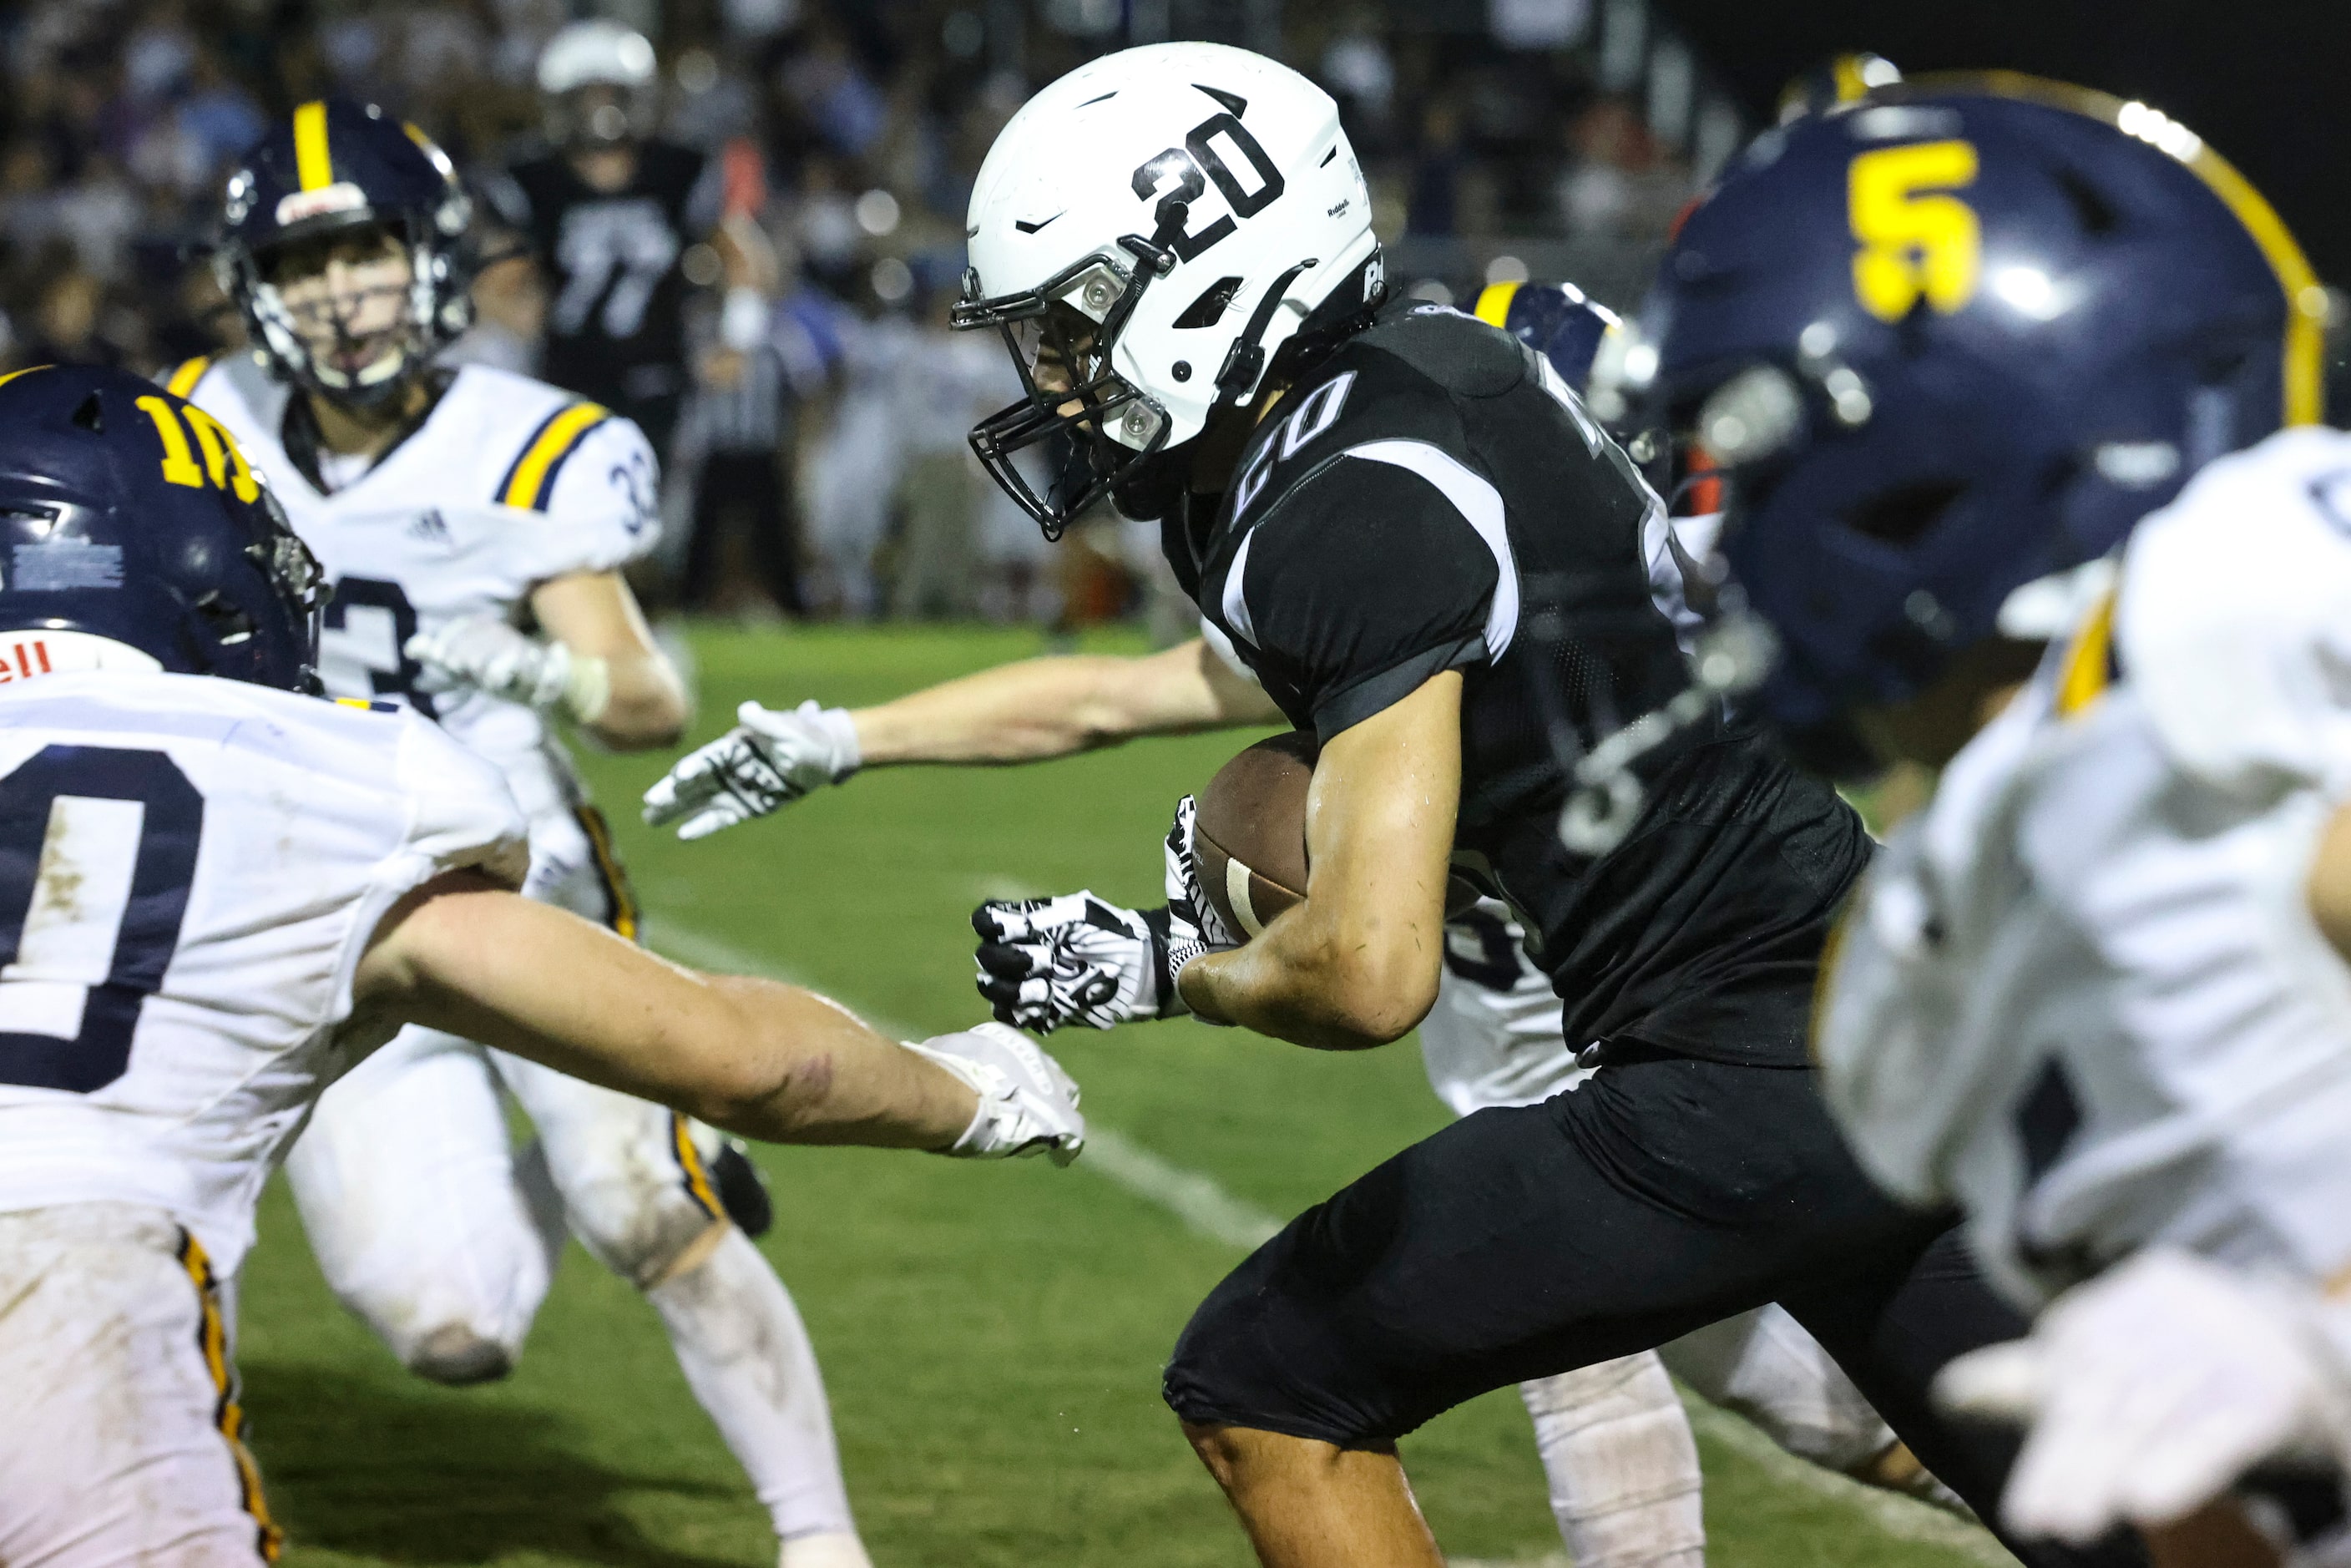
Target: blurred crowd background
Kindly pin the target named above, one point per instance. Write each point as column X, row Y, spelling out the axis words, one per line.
column 823, row 473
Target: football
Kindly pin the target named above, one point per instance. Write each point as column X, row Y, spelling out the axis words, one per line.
column 1249, row 840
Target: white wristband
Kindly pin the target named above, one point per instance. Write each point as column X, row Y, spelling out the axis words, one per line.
column 586, row 688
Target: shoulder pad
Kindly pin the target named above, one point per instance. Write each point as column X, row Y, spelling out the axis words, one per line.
column 1460, row 352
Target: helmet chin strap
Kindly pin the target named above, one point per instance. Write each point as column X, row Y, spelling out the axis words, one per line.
column 1245, row 361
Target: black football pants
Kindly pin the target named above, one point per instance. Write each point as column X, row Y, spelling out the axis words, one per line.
column 1663, row 1194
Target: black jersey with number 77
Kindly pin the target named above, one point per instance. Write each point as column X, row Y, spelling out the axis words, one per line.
column 1431, row 497
column 616, row 286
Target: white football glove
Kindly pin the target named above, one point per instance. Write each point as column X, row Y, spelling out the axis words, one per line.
column 2150, row 1390
column 485, row 654
column 771, row 758
column 1028, row 1106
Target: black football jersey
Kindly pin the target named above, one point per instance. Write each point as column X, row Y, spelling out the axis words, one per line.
column 616, row 286
column 1432, row 497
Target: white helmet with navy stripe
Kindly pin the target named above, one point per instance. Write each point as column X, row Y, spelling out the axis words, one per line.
column 1152, row 227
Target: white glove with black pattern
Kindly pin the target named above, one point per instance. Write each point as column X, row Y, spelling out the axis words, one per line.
column 1183, row 884
column 770, row 760
column 1077, row 958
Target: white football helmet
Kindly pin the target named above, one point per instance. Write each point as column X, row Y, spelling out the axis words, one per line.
column 1153, row 226
column 598, row 81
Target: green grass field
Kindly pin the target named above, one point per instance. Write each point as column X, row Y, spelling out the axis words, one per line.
column 991, row 1334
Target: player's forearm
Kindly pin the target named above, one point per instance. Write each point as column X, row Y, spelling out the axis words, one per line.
column 1314, row 982
column 1356, row 964
column 645, row 707
column 757, row 1057
column 1041, row 708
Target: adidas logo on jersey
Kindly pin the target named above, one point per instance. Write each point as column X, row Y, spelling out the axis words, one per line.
column 430, row 525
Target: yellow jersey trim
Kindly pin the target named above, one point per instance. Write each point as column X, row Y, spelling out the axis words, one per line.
column 1493, row 306
column 530, row 482
column 27, row 370
column 182, row 382
column 2089, row 667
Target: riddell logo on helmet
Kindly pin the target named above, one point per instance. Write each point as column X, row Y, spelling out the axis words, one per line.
column 23, row 660
column 342, row 196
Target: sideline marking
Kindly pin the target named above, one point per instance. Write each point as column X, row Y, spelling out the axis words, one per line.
column 1204, row 1205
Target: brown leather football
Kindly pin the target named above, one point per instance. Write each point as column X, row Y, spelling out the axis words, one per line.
column 1248, row 839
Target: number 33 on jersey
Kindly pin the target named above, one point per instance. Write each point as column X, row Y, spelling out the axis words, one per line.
column 509, row 484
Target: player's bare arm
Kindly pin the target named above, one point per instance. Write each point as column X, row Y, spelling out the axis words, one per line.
column 1026, row 712
column 1049, row 707
column 769, row 1061
column 1356, row 964
column 2329, row 888
column 595, row 615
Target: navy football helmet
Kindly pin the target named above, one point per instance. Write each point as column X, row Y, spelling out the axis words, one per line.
column 1952, row 341
column 1834, row 84
column 335, row 165
column 128, row 514
column 1557, row 320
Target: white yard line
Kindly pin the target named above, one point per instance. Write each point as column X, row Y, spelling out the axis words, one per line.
column 1204, row 1205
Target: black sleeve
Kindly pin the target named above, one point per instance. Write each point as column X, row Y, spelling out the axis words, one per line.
column 1362, row 583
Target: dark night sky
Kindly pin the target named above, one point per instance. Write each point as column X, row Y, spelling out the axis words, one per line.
column 2266, row 83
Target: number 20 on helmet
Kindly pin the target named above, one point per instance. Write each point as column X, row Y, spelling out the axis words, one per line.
column 1146, row 233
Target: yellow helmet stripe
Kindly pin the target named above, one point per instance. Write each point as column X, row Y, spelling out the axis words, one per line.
column 311, row 161
column 1494, row 303
column 533, row 474
column 27, row 370
column 1847, row 73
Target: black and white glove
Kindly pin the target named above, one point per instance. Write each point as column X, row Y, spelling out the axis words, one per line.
column 1190, row 904
column 1077, row 958
column 770, row 758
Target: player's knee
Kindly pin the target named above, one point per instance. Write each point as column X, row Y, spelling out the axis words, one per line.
column 643, row 1232
column 456, row 1355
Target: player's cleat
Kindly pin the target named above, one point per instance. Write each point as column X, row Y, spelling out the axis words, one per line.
column 742, row 1190
column 1027, row 1103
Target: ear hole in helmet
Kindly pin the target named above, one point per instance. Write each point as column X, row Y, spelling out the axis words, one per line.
column 91, row 415
column 2091, row 210
column 1903, row 517
column 1209, row 308
column 229, row 624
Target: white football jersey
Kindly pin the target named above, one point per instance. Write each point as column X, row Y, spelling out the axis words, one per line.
column 190, row 869
column 2082, row 994
column 508, row 483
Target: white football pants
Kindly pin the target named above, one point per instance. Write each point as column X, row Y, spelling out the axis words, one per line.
column 443, row 1236
column 120, row 1447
